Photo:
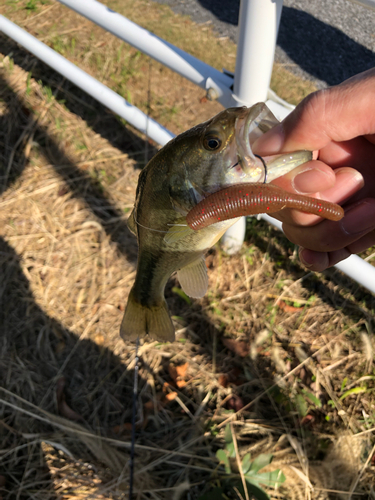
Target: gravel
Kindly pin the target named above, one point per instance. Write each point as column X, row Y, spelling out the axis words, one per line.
column 324, row 41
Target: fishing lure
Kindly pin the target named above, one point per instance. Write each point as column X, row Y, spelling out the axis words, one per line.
column 255, row 198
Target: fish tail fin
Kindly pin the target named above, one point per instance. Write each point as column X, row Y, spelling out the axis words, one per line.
column 140, row 320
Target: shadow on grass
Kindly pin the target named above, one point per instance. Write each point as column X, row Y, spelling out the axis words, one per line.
column 264, row 237
column 36, row 351
column 33, row 348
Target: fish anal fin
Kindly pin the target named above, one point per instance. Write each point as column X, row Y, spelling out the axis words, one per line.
column 193, row 278
column 140, row 320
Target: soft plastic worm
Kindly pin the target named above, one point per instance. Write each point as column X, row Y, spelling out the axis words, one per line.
column 255, row 198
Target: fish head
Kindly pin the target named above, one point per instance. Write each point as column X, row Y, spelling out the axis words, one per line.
column 218, row 153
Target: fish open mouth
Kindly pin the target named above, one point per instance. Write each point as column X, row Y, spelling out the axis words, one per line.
column 249, row 127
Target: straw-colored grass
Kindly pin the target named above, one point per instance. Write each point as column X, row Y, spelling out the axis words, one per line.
column 284, row 355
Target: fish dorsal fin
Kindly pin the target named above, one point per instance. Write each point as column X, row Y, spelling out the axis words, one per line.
column 193, row 278
column 178, row 231
column 131, row 223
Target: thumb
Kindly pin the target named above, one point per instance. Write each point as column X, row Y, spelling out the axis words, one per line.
column 337, row 114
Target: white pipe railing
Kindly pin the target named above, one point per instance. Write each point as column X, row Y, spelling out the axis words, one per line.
column 356, row 268
column 258, row 27
column 170, row 56
column 86, row 82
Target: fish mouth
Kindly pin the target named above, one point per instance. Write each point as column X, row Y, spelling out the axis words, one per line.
column 249, row 127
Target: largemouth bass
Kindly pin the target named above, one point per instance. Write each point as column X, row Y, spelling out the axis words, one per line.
column 192, row 166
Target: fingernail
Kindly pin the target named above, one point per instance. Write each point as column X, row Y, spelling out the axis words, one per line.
column 359, row 218
column 303, row 257
column 310, row 181
column 271, row 142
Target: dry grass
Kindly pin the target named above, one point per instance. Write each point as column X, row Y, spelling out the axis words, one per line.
column 271, row 348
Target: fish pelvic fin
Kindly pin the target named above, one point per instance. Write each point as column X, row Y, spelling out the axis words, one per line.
column 178, row 231
column 193, row 278
column 140, row 320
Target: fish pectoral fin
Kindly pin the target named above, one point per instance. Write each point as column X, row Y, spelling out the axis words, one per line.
column 178, row 231
column 131, row 222
column 193, row 278
column 140, row 320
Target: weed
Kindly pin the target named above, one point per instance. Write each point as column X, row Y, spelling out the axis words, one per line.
column 251, row 471
column 182, row 295
column 31, row 5
column 58, row 44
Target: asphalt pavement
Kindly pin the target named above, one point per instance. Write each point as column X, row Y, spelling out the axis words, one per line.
column 325, row 41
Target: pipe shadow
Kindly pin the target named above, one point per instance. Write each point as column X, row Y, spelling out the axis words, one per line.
column 227, row 12
column 262, row 234
column 19, row 119
column 97, row 116
column 321, row 50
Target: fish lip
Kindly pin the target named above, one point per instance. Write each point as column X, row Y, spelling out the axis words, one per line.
column 276, row 165
column 279, row 165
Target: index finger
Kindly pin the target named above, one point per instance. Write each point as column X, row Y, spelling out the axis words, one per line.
column 337, row 114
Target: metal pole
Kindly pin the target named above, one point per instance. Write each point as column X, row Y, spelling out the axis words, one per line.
column 93, row 87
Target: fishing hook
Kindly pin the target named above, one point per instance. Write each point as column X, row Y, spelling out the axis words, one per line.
column 265, row 167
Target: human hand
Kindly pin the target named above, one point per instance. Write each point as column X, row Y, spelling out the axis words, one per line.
column 339, row 124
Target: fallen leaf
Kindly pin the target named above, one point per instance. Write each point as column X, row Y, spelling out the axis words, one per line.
column 120, row 429
column 99, row 339
column 235, row 403
column 62, row 406
column 172, row 372
column 149, row 405
column 287, row 308
column 171, row 396
column 177, row 374
column 62, row 191
column 307, row 420
column 223, row 380
column 181, row 369
column 239, row 347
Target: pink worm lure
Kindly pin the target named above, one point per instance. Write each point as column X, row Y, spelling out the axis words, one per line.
column 255, row 198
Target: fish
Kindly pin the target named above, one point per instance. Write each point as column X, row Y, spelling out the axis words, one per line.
column 187, row 170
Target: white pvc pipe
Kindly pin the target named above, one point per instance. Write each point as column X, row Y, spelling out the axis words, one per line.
column 356, row 268
column 174, row 58
column 366, row 3
column 258, row 26
column 93, row 87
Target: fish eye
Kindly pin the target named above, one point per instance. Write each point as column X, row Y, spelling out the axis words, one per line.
column 211, row 143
